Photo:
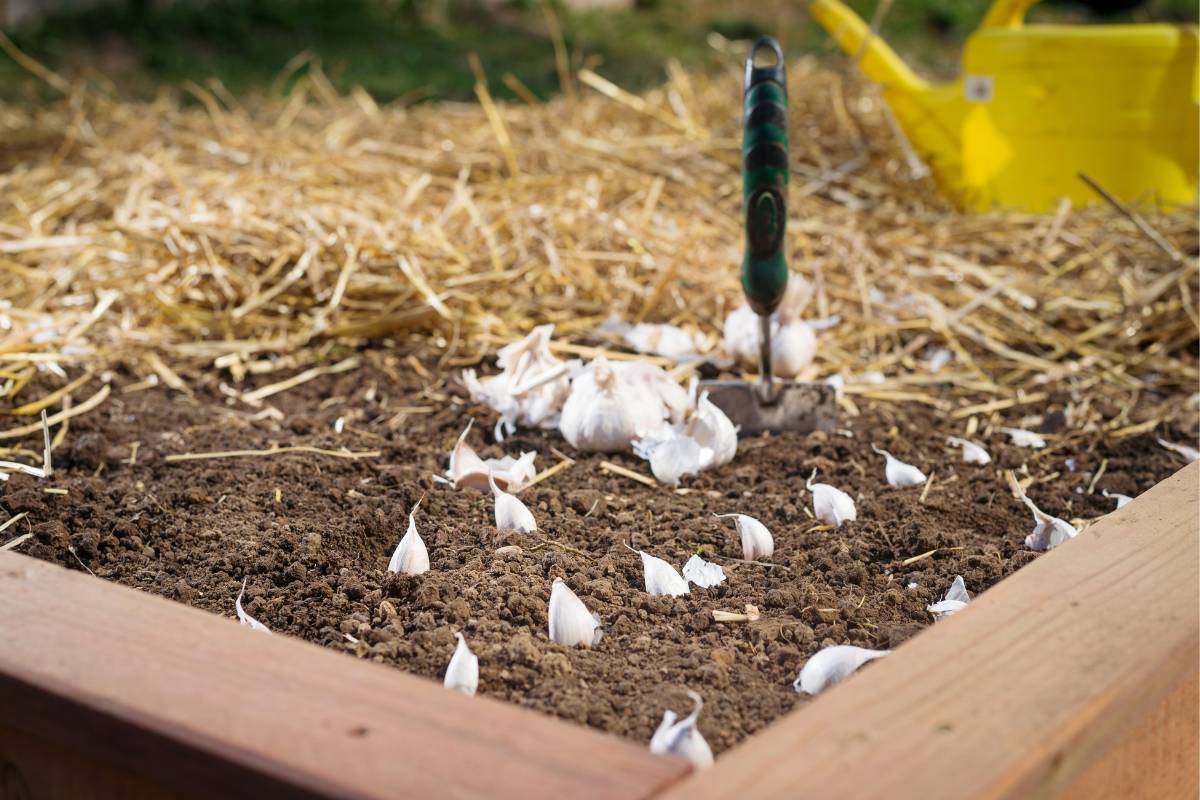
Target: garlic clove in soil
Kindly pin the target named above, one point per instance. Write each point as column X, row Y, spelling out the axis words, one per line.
column 757, row 541
column 1049, row 532
column 971, row 452
column 1121, row 499
column 511, row 513
column 467, row 469
column 831, row 506
column 831, row 665
column 956, row 600
column 1189, row 454
column 682, row 738
column 245, row 618
column 714, row 432
column 660, row 577
column 463, row 671
column 410, row 556
column 899, row 474
column 571, row 624
column 1023, row 438
column 704, row 574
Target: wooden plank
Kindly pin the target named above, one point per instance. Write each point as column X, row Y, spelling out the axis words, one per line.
column 132, row 695
column 1057, row 682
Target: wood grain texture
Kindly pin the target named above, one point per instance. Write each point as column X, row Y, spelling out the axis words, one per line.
column 1074, row 677
column 133, row 695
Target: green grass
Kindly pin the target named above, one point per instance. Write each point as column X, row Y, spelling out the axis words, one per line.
column 395, row 48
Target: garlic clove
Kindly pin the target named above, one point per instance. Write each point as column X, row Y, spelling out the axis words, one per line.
column 971, row 452
column 1121, row 499
column 714, row 432
column 831, row 506
column 956, row 600
column 410, row 556
column 671, row 458
column 1023, row 438
column 1189, row 454
column 899, row 474
column 467, row 469
column 571, row 624
column 511, row 513
column 831, row 665
column 757, row 541
column 682, row 737
column 245, row 618
column 1049, row 532
column 704, row 574
column 463, row 671
column 660, row 577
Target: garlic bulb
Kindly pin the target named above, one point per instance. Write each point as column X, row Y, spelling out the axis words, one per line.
column 757, row 541
column 741, row 331
column 410, row 556
column 704, row 574
column 511, row 513
column 463, row 671
column 793, row 347
column 956, row 600
column 793, row 343
column 245, row 618
column 831, row 665
column 571, row 624
column 468, row 469
column 682, row 738
column 1189, row 454
column 649, row 381
column 899, row 474
column 831, row 506
column 1049, row 532
column 604, row 414
column 1121, row 499
column 531, row 387
column 1023, row 438
column 971, row 452
column 660, row 577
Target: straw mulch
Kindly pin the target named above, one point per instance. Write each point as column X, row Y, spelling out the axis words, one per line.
column 200, row 232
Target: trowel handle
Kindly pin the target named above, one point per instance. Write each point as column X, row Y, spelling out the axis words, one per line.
column 765, row 178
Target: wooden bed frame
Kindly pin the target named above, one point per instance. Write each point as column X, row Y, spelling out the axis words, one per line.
column 1075, row 677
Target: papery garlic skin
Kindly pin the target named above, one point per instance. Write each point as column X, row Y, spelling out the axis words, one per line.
column 531, row 387
column 832, row 665
column 467, row 469
column 704, row 574
column 660, row 577
column 511, row 513
column 245, row 618
column 757, row 541
column 831, row 506
column 1189, row 454
column 1023, row 438
column 683, row 738
column 899, row 474
column 971, row 452
column 462, row 673
column 707, row 438
column 410, row 556
column 1121, row 499
column 956, row 600
column 1049, row 532
column 571, row 624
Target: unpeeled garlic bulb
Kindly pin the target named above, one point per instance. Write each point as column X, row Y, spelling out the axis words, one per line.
column 571, row 624
column 956, row 600
column 660, row 577
column 704, row 574
column 463, row 671
column 604, row 414
column 793, row 343
column 971, row 452
column 468, row 469
column 757, row 541
column 410, row 556
column 831, row 506
column 682, row 738
column 511, row 513
column 831, row 665
column 793, row 348
column 245, row 618
column 899, row 474
column 1023, row 438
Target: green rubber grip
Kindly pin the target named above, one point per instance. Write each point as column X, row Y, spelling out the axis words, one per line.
column 765, row 179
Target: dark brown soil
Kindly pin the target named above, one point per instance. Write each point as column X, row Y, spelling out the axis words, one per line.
column 314, row 534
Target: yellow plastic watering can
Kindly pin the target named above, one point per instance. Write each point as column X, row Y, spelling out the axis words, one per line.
column 1038, row 104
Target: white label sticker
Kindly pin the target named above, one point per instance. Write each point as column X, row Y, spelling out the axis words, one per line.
column 978, row 88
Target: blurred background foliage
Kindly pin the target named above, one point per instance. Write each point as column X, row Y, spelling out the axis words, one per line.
column 417, row 49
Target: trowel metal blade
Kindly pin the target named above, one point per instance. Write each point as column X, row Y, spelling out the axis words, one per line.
column 802, row 407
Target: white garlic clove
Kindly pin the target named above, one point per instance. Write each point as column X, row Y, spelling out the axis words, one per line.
column 671, row 458
column 245, row 618
column 571, row 624
column 1121, row 499
column 899, row 474
column 1189, row 454
column 463, row 671
column 1023, row 438
column 704, row 574
column 757, row 541
column 467, row 469
column 660, row 577
column 410, row 556
column 971, row 452
column 831, row 506
column 511, row 513
column 1048, row 532
column 682, row 738
column 831, row 665
column 956, row 600
column 714, row 432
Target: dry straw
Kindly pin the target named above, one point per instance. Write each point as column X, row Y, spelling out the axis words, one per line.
column 174, row 235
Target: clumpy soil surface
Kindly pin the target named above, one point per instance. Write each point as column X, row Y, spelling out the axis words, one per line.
column 313, row 535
